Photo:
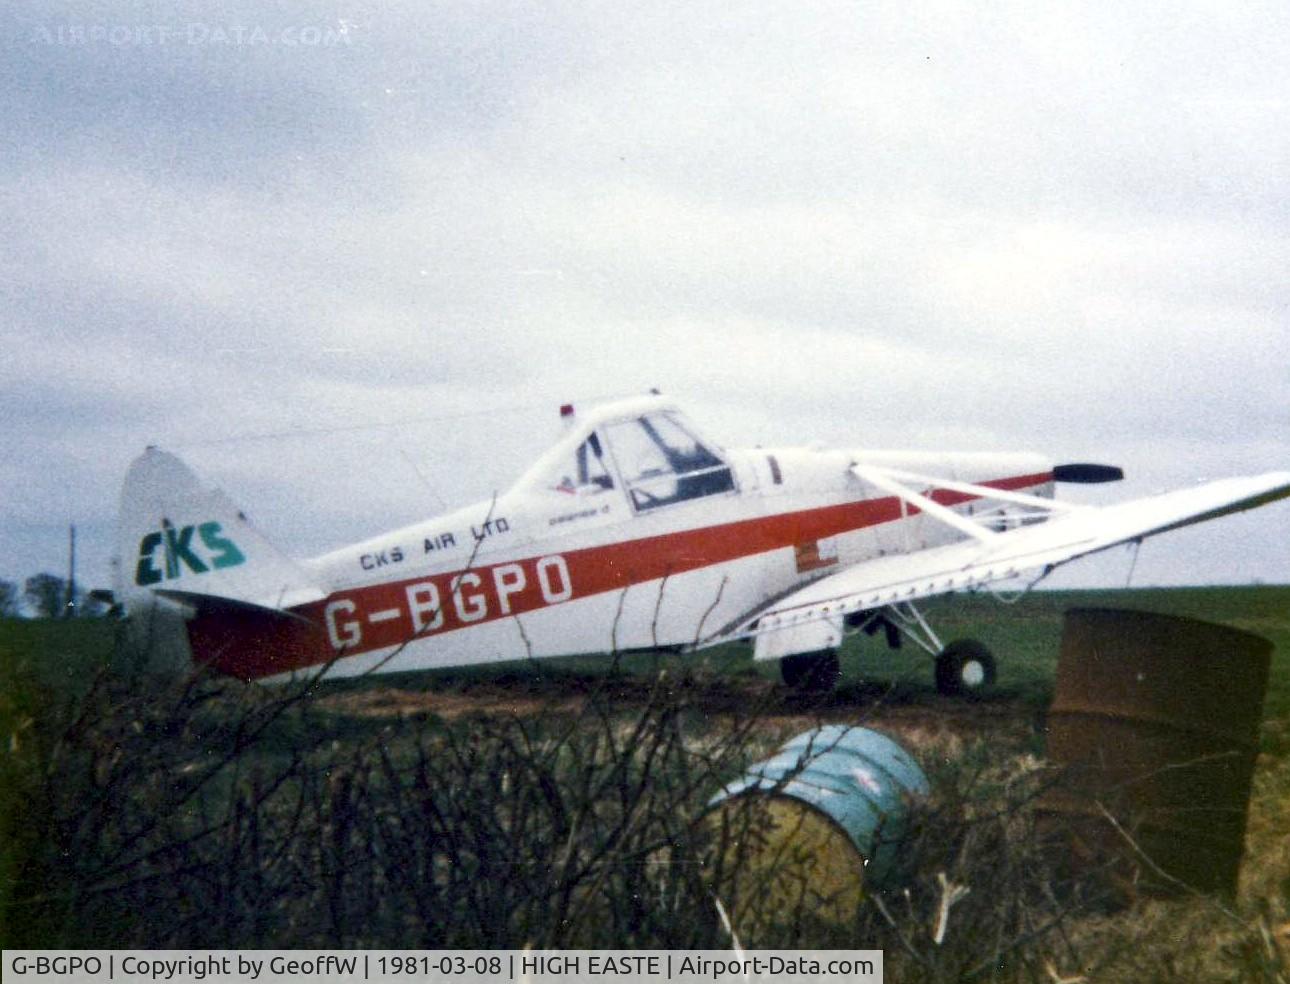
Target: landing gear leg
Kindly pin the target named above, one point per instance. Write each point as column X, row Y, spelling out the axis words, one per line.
column 817, row 671
column 909, row 620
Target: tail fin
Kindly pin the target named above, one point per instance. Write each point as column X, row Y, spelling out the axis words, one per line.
column 177, row 537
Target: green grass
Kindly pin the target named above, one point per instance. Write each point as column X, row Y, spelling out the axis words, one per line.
column 1026, row 637
column 44, row 661
column 45, row 667
column 61, row 657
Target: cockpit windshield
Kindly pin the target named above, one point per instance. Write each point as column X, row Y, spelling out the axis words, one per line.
column 661, row 462
column 653, row 457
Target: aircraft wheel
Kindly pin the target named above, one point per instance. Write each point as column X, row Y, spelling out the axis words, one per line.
column 811, row 671
column 963, row 668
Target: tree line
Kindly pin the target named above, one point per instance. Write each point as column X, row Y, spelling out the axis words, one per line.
column 46, row 596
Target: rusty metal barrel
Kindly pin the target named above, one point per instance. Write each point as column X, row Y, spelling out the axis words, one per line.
column 1155, row 720
column 804, row 831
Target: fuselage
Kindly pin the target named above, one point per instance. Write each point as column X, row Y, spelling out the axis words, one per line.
column 604, row 546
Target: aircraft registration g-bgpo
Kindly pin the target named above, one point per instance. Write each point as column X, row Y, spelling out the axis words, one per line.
column 633, row 532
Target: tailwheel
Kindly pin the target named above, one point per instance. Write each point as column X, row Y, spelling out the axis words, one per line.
column 964, row 668
column 817, row 671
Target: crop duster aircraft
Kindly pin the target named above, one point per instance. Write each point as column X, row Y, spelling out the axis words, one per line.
column 635, row 532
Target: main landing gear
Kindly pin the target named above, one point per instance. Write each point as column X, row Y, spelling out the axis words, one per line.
column 963, row 668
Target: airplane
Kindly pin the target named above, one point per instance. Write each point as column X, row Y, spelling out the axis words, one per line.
column 634, row 532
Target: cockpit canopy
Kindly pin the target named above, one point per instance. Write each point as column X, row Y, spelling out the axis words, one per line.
column 653, row 456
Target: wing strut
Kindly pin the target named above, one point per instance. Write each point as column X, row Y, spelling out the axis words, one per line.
column 886, row 481
column 897, row 482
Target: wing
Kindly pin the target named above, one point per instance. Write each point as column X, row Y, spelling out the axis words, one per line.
column 987, row 555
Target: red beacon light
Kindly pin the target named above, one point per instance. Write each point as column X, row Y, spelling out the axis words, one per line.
column 566, row 411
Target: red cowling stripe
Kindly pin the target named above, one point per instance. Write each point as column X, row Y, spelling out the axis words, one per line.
column 250, row 648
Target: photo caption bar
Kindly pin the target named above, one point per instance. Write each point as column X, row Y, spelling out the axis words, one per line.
column 465, row 966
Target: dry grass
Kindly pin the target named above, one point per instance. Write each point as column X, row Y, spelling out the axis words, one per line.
column 504, row 813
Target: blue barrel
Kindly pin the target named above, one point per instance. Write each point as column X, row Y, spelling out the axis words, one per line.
column 859, row 779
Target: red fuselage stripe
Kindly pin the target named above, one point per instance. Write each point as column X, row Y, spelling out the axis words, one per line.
column 502, row 589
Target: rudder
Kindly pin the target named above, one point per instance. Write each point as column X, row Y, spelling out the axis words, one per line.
column 177, row 536
column 195, row 578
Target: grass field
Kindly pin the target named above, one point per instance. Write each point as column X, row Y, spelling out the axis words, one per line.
column 122, row 809
column 61, row 657
column 1025, row 638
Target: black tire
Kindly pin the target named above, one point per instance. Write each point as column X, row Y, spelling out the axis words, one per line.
column 964, row 668
column 811, row 671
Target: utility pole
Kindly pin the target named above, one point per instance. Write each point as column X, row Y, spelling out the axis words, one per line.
column 69, row 609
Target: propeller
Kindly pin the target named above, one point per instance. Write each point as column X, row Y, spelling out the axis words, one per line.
column 1087, row 473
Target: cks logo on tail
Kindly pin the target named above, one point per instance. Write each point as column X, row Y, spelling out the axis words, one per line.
column 179, row 551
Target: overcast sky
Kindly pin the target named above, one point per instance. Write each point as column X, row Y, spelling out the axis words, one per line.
column 349, row 265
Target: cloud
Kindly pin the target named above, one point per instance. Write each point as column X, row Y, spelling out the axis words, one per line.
column 1061, row 229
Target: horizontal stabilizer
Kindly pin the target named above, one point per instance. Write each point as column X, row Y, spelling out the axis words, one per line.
column 248, row 641
column 1080, row 531
column 218, row 605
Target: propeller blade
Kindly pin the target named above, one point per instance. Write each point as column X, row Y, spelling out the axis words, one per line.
column 1087, row 473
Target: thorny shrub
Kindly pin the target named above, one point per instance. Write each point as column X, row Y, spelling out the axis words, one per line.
column 210, row 813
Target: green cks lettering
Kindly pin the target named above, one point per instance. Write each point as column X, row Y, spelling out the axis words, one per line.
column 145, row 573
column 178, row 548
column 225, row 550
column 180, row 553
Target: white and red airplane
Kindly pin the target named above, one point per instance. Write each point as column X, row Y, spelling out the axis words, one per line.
column 633, row 532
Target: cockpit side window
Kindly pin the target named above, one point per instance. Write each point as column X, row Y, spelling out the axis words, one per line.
column 662, row 463
column 584, row 472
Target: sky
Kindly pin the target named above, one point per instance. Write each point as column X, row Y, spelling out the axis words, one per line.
column 347, row 260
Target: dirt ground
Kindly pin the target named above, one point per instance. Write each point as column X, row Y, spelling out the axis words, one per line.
column 921, row 720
